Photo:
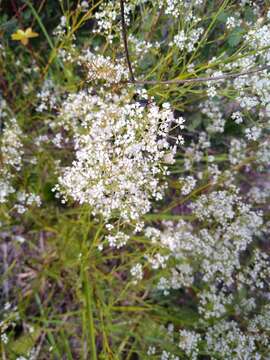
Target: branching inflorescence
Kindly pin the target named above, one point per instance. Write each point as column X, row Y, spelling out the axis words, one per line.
column 174, row 230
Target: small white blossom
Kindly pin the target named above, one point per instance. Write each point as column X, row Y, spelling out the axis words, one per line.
column 188, row 184
column 253, row 133
column 137, row 272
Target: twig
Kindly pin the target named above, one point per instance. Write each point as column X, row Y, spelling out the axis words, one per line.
column 198, row 79
column 41, row 242
column 17, row 11
column 5, row 266
column 124, row 35
column 38, row 348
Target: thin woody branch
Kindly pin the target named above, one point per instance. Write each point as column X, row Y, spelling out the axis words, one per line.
column 124, row 35
column 198, row 79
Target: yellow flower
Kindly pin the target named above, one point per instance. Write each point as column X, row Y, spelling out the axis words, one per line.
column 24, row 36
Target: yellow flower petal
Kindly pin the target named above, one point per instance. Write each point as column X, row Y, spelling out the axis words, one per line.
column 30, row 34
column 24, row 36
column 18, row 35
column 24, row 41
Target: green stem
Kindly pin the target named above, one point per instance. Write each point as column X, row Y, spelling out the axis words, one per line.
column 44, row 31
column 89, row 315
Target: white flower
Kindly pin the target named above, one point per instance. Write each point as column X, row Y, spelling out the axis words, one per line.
column 189, row 342
column 137, row 272
column 84, row 5
column 187, row 40
column 237, row 117
column 4, row 338
column 231, row 22
column 253, row 133
column 188, row 184
column 100, row 67
column 151, row 350
column 120, row 148
column 118, row 240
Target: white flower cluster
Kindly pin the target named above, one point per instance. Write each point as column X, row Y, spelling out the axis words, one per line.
column 188, row 184
column 258, row 38
column 151, row 350
column 5, row 188
column 189, row 343
column 253, row 133
column 256, row 274
column 253, row 90
column 84, row 5
column 137, row 273
column 47, row 96
column 12, row 160
column 108, row 19
column 187, row 40
column 61, row 29
column 25, row 200
column 227, row 340
column 141, row 48
column 237, row 117
column 176, row 8
column 211, row 109
column 231, row 22
column 100, row 67
column 120, row 151
column 9, row 316
column 157, row 261
column 194, row 153
column 118, row 239
column 166, row 355
column 259, row 195
column 11, row 150
column 237, row 152
column 11, row 146
column 232, row 226
column 208, row 256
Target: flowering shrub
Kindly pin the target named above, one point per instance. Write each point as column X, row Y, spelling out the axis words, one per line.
column 134, row 180
column 120, row 148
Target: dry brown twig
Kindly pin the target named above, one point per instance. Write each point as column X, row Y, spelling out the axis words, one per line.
column 124, row 35
column 199, row 79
